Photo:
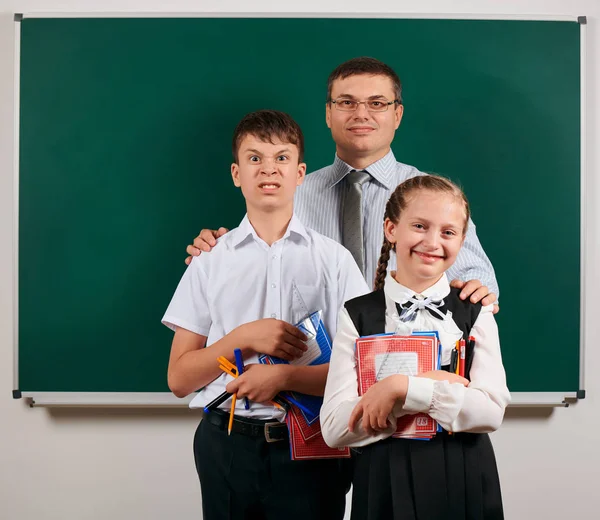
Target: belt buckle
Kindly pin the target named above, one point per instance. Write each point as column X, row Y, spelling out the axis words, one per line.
column 267, row 435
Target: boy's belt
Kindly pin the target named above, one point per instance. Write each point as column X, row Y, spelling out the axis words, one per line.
column 272, row 431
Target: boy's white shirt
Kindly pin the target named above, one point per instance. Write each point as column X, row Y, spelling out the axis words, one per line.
column 477, row 408
column 243, row 279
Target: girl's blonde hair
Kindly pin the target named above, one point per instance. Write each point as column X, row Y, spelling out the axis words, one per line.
column 398, row 202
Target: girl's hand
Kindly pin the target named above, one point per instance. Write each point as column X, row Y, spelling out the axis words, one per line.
column 376, row 405
column 442, row 375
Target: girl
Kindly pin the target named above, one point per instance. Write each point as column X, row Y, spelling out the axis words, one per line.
column 453, row 476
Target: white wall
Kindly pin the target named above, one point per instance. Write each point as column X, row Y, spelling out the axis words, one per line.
column 81, row 464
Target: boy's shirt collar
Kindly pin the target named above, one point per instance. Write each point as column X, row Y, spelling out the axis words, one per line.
column 381, row 170
column 246, row 230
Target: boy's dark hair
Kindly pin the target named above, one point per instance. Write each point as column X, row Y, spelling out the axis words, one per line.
column 365, row 65
column 265, row 125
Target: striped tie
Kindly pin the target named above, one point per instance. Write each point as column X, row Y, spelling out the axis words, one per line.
column 352, row 223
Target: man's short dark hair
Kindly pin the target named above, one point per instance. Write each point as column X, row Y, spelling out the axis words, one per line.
column 266, row 125
column 368, row 66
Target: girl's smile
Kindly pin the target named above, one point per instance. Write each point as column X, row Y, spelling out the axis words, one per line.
column 428, row 257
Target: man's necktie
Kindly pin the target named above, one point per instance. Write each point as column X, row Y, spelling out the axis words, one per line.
column 352, row 222
column 408, row 310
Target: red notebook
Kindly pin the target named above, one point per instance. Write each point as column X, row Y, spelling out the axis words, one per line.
column 313, row 447
column 307, row 430
column 380, row 356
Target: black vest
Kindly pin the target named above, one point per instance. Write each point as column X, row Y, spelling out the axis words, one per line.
column 368, row 312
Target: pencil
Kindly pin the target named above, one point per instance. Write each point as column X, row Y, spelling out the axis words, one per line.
column 231, row 414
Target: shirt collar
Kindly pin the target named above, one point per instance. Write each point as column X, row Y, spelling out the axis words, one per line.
column 246, row 230
column 381, row 170
column 296, row 227
column 401, row 294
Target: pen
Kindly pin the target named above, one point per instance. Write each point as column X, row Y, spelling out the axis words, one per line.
column 217, row 401
column 239, row 364
column 282, row 405
column 457, row 367
column 463, row 349
column 453, row 361
column 470, row 355
column 228, row 371
column 295, row 402
column 226, row 363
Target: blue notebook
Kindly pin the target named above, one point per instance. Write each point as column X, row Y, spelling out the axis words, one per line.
column 318, row 353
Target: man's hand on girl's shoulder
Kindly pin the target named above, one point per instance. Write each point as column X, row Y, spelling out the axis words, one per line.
column 476, row 291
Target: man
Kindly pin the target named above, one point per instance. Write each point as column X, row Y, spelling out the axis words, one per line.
column 346, row 200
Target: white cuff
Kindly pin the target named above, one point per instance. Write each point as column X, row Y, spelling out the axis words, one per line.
column 419, row 395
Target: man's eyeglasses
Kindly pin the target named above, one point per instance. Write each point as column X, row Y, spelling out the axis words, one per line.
column 372, row 105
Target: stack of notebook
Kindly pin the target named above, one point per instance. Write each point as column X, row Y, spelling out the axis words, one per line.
column 306, row 440
column 383, row 355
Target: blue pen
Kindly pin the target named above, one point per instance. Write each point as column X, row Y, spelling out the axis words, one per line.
column 289, row 398
column 239, row 363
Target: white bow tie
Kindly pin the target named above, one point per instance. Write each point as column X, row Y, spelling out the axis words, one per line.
column 407, row 311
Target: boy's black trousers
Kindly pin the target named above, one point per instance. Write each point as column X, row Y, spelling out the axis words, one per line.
column 244, row 477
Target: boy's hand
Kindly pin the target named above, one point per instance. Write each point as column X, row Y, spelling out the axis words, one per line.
column 259, row 383
column 475, row 291
column 377, row 403
column 205, row 241
column 443, row 375
column 274, row 338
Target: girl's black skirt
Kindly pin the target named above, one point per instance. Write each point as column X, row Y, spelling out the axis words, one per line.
column 451, row 477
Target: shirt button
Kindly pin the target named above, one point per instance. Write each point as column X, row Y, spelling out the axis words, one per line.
column 273, row 286
column 273, row 315
column 274, row 257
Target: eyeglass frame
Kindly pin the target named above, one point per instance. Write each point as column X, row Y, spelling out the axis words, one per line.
column 386, row 103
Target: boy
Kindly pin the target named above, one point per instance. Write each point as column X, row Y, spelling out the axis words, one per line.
column 241, row 295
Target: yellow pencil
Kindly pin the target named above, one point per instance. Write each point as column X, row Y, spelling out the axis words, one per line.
column 231, row 414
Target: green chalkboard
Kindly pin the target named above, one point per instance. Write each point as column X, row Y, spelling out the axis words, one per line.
column 125, row 130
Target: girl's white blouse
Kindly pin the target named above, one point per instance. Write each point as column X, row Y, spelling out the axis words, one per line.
column 476, row 408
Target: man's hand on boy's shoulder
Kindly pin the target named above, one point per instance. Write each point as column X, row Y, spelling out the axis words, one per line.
column 259, row 383
column 476, row 291
column 205, row 241
column 274, row 338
